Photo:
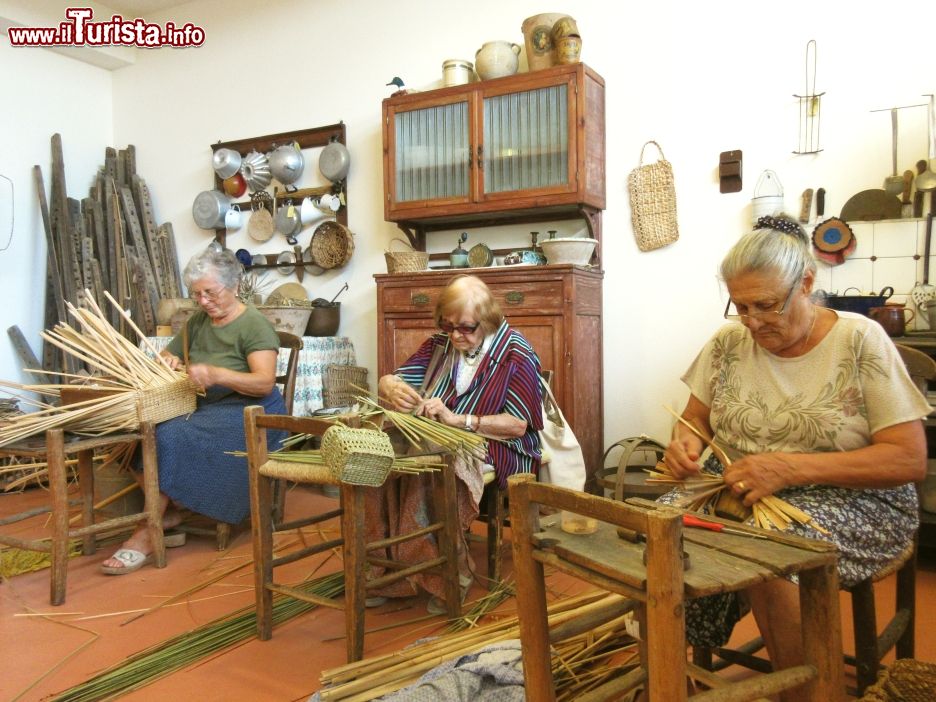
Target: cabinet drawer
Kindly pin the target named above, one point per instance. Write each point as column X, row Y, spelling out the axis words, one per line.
column 540, row 296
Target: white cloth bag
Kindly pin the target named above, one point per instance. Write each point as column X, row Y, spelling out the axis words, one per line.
column 563, row 463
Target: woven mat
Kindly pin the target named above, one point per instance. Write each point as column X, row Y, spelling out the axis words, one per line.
column 905, row 680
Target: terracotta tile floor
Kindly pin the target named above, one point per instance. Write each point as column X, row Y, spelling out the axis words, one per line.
column 54, row 653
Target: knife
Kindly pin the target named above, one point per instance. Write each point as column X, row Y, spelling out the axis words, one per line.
column 906, row 207
column 820, row 203
column 805, row 205
column 918, row 196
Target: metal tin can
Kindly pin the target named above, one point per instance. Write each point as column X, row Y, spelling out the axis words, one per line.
column 456, row 72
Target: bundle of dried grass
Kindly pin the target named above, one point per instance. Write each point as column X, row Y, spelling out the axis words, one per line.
column 424, row 433
column 133, row 387
column 770, row 512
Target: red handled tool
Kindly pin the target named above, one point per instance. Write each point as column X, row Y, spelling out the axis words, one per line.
column 690, row 520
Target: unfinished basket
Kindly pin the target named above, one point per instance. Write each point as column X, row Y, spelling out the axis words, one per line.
column 331, row 245
column 653, row 202
column 357, row 456
column 342, row 384
column 405, row 261
column 166, row 401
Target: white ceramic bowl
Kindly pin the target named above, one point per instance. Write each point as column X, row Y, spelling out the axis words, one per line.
column 575, row 250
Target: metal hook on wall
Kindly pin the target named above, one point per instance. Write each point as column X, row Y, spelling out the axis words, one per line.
column 809, row 107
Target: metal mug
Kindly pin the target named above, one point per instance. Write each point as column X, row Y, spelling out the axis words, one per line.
column 233, row 220
column 892, row 318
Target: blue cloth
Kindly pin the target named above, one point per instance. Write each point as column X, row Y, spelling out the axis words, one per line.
column 195, row 469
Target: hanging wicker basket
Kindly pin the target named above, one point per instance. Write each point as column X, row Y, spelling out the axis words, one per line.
column 332, row 245
column 342, row 384
column 653, row 202
column 357, row 456
column 405, row 261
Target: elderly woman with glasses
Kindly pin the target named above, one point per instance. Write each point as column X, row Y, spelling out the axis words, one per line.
column 476, row 374
column 819, row 407
column 230, row 350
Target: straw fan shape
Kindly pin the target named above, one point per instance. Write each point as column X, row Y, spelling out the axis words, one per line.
column 132, row 387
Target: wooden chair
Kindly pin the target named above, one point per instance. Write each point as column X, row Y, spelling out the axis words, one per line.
column 651, row 572
column 871, row 646
column 222, row 530
column 264, row 471
column 54, row 448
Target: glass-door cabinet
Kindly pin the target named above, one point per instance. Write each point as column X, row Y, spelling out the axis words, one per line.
column 516, row 145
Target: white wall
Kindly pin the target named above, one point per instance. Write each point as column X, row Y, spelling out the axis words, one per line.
column 700, row 78
column 43, row 93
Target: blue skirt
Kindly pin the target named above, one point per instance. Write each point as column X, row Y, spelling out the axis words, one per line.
column 195, row 469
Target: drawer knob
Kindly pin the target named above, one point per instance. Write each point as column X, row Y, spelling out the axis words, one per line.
column 420, row 299
column 514, row 297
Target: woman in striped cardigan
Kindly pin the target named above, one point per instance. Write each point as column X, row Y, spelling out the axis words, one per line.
column 477, row 374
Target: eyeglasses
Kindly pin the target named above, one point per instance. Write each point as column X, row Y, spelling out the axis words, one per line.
column 210, row 295
column 464, row 329
column 762, row 314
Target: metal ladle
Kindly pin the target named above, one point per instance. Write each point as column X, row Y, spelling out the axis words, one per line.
column 926, row 180
column 894, row 184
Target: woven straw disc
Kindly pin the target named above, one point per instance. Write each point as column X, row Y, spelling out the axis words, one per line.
column 331, row 245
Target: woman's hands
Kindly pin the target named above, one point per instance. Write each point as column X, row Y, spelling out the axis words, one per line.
column 760, row 475
column 202, row 375
column 400, row 394
column 173, row 360
column 682, row 455
column 434, row 408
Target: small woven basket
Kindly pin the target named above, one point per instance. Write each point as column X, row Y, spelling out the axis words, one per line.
column 904, row 680
column 357, row 456
column 332, row 245
column 405, row 261
column 166, row 401
column 653, row 202
column 342, row 384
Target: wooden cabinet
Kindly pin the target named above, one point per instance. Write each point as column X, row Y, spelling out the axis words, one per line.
column 526, row 147
column 557, row 309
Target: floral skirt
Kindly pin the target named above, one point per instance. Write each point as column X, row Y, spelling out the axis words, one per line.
column 870, row 527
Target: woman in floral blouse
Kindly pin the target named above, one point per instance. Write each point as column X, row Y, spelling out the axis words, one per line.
column 822, row 408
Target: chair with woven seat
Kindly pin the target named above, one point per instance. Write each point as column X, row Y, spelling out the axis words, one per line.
column 264, row 470
column 222, row 530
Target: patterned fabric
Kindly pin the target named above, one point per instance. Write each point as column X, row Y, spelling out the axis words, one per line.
column 316, row 354
column 507, row 381
column 833, row 398
column 195, row 468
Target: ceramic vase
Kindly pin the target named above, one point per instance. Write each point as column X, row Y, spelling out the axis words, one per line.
column 496, row 59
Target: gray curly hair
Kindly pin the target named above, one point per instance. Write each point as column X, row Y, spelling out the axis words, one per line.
column 778, row 245
column 223, row 266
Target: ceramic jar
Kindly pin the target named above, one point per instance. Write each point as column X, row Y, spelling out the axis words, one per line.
column 568, row 49
column 537, row 34
column 496, row 59
column 456, row 72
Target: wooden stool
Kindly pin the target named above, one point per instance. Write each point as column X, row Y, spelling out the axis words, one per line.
column 652, row 574
column 263, row 471
column 54, row 449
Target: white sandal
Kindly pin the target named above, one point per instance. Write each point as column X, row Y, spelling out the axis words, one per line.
column 130, row 558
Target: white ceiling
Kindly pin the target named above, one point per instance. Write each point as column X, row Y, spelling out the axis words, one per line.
column 140, row 8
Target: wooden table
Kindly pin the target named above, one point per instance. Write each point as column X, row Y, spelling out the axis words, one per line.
column 651, row 572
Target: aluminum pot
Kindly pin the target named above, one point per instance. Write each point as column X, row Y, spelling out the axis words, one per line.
column 209, row 209
column 335, row 161
column 286, row 163
column 226, row 162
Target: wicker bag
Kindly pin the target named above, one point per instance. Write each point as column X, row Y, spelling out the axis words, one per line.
column 357, row 456
column 904, row 680
column 342, row 384
column 653, row 202
column 405, row 261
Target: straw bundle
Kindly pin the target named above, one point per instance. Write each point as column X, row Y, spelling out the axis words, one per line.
column 136, row 388
column 770, row 512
